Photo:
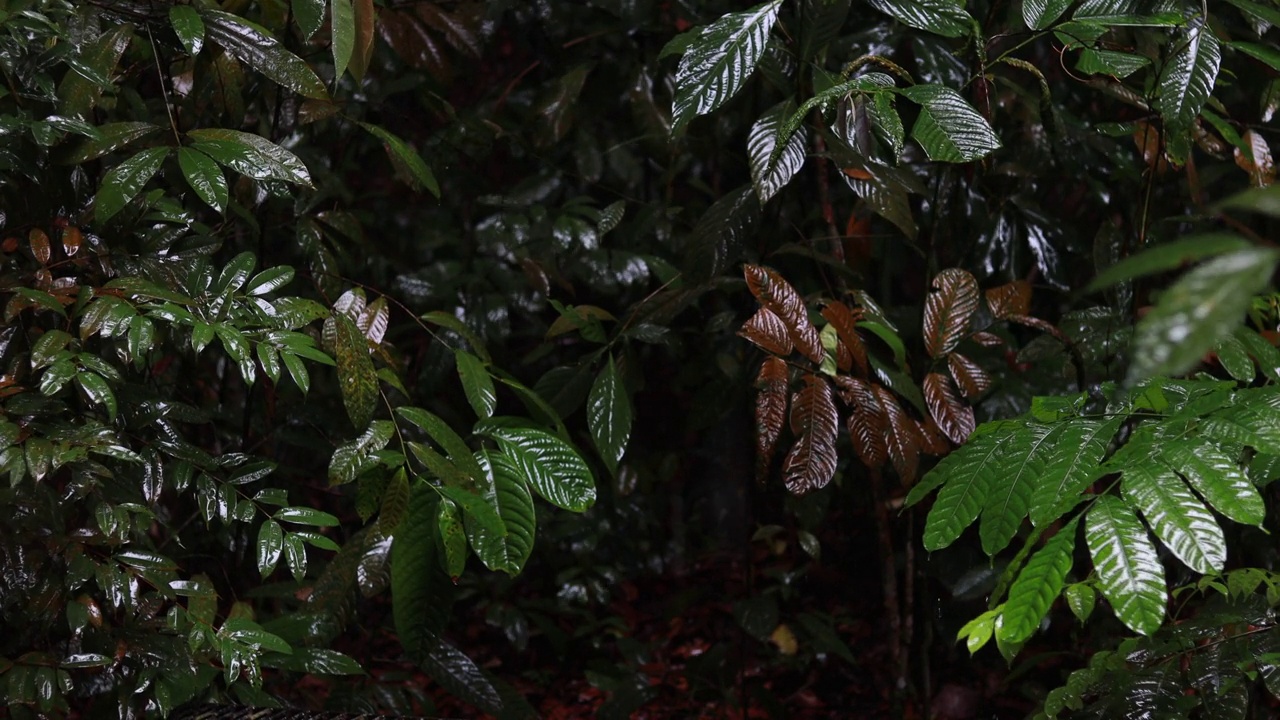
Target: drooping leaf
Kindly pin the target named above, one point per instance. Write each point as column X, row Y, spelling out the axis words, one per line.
column 771, row 411
column 1009, row 299
column 270, row 545
column 942, row 17
column 204, row 176
column 948, row 309
column 1257, row 161
column 342, row 23
column 811, row 463
column 969, row 375
column 903, row 440
column 949, row 129
column 1234, row 358
column 1037, row 586
column 1217, row 478
column 476, row 383
column 867, row 424
column 717, row 241
column 1167, row 256
column 768, row 332
column 362, row 53
column 188, row 26
column 773, row 167
column 410, row 167
column 719, row 60
column 952, row 414
column 1129, row 572
column 1204, row 305
column 513, row 503
column 966, row 476
column 845, row 322
column 1080, row 598
column 609, row 415
column 548, row 464
column 1185, row 85
column 1117, row 64
column 357, row 378
column 125, row 181
column 254, row 46
column 777, row 294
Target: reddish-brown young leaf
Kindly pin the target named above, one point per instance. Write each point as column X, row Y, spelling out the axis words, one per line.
column 953, row 416
column 767, row 331
column 969, row 375
column 987, row 339
column 947, row 310
column 1010, row 299
column 777, row 294
column 932, row 441
column 812, row 461
column 903, row 438
column 844, row 358
column 845, row 322
column 868, row 426
column 1043, row 326
column 771, row 411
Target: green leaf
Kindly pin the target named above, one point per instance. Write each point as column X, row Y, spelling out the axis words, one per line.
column 772, row 167
column 1040, row 14
column 822, row 21
column 1037, row 587
column 99, row 392
column 476, row 383
column 254, row 46
column 717, row 240
column 1217, row 478
column 1080, row 598
column 1264, row 53
column 270, row 545
column 317, row 661
column 305, row 516
column 1234, row 358
column 1199, row 309
column 237, row 347
column 46, row 349
column 357, row 379
column 1110, row 62
column 81, row 89
column 125, row 181
column 609, row 415
column 309, row 15
column 189, row 28
column 1261, row 350
column 251, row 155
column 1167, row 256
column 444, row 436
column 343, row 29
column 297, row 371
column 111, row 137
column 421, row 593
column 942, row 17
column 949, row 129
column 1185, row 85
column 719, row 61
column 977, row 632
column 1071, row 465
column 269, row 280
column 510, row 496
column 1010, row 498
column 548, row 464
column 453, row 538
column 204, row 176
column 410, row 166
column 1129, row 571
column 969, row 474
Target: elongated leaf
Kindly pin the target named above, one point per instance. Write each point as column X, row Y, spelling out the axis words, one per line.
column 952, row 414
column 125, row 181
column 771, row 411
column 942, row 17
column 1129, row 572
column 81, row 89
column 768, row 332
column 476, row 383
column 969, row 375
column 1071, row 464
column 1166, row 257
column 410, row 166
column 357, row 379
column 309, row 14
column 777, row 294
column 251, row 155
column 1037, row 586
column 1040, row 14
column 609, row 415
column 270, row 545
column 1217, row 478
column 421, row 594
column 719, row 60
column 254, row 46
column 966, row 476
column 1009, row 495
column 1203, row 306
column 845, row 322
column 949, row 129
column 514, row 504
column 948, row 309
column 867, row 424
column 1262, row 351
column 811, row 463
column 773, row 167
column 903, row 441
column 453, row 538
column 204, row 176
column 548, row 464
column 188, row 26
column 111, row 137
column 1176, row 516
column 1234, row 358
column 1185, row 85
column 716, row 243
column 343, row 25
column 439, row 431
column 457, row 673
column 821, row 22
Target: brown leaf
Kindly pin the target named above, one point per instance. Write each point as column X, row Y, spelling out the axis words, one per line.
column 777, row 295
column 969, row 375
column 771, row 411
column 932, row 441
column 72, row 239
column 948, row 309
column 812, row 461
column 767, row 331
column 39, row 241
column 953, row 416
column 845, row 322
column 1261, row 168
column 1010, row 299
column 868, row 427
column 904, row 437
column 362, row 54
column 1043, row 326
column 987, row 339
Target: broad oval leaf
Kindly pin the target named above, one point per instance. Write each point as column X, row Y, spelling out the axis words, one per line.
column 125, row 181
column 1199, row 309
column 868, row 425
column 773, row 167
column 550, row 465
column 767, row 331
column 1009, row 299
column 811, row 463
column 1129, row 572
column 254, row 46
column 969, row 375
column 1217, row 478
column 1185, row 85
column 948, row 309
column 952, row 414
column 204, row 176
column 719, row 60
column 513, row 503
column 1176, row 516
column 771, row 411
column 777, row 294
column 609, row 415
column 1037, row 586
column 949, row 129
column 357, row 378
column 476, row 383
column 251, row 155
column 943, row 17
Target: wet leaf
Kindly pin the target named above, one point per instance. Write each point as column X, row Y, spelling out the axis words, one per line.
column 254, row 46
column 188, row 26
column 770, row 411
column 768, row 332
column 942, row 17
column 969, row 376
column 309, row 14
column 1040, row 14
column 251, row 155
column 1009, row 299
column 476, row 383
column 343, row 29
column 1167, row 256
column 771, row 167
column 1037, row 586
column 867, row 424
column 903, row 439
column 204, row 176
column 1185, row 84
column 845, row 322
column 949, row 129
column 609, row 415
column 357, row 378
column 1258, row 162
column 811, row 463
column 948, row 309
column 125, row 181
column 719, row 60
column 270, row 545
column 548, row 464
column 1130, row 575
column 777, row 295
column 111, row 137
column 410, row 167
column 952, row 414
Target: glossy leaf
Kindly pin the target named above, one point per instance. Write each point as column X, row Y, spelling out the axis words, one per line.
column 768, row 332
column 845, row 322
column 811, row 463
column 775, row 293
column 936, row 16
column 204, row 176
column 410, row 166
column 1217, row 478
column 1037, row 586
column 443, row 435
column 98, row 392
column 952, row 414
column 1185, row 84
column 1040, row 14
column 948, row 309
column 1177, row 517
column 125, row 181
column 719, row 60
column 948, row 128
column 453, row 538
column 254, row 46
column 716, row 243
column 251, row 155
column 609, row 415
column 476, row 384
column 773, row 167
column 511, row 499
column 356, row 377
column 81, row 89
column 188, row 26
column 343, row 27
column 903, row 440
column 969, row 375
column 1009, row 299
column 309, row 14
column 867, row 424
column 966, row 477
column 421, row 593
column 270, row 545
column 1071, row 464
column 770, row 411
column 1080, row 598
column 1203, row 306
column 111, row 137
column 1129, row 572
column 548, row 464
column 1010, row 494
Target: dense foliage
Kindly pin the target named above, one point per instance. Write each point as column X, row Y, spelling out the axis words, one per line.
column 307, row 300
